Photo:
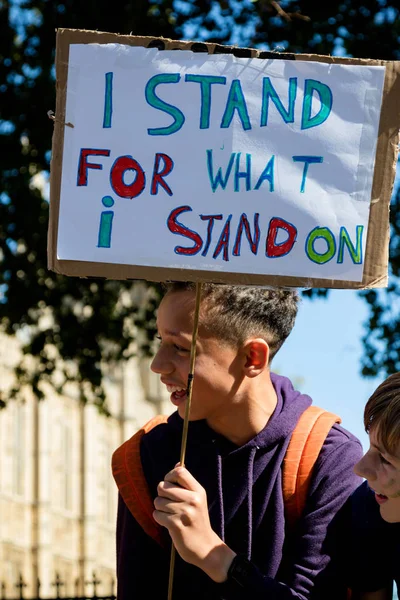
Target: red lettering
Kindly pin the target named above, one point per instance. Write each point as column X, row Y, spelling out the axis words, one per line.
column 83, row 165
column 253, row 243
column 210, row 227
column 272, row 249
column 223, row 242
column 175, row 227
column 120, row 166
column 158, row 177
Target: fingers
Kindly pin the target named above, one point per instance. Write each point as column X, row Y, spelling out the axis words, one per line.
column 171, row 491
column 182, row 477
column 166, row 505
column 164, row 519
column 173, row 514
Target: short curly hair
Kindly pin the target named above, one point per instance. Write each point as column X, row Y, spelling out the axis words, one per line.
column 382, row 413
column 235, row 313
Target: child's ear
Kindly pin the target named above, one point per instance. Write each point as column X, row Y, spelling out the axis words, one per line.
column 256, row 357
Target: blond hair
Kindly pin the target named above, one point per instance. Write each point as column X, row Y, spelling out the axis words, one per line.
column 382, row 413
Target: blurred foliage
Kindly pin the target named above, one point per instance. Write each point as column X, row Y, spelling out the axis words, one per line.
column 76, row 323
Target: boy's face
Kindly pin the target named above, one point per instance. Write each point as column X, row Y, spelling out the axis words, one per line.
column 218, row 365
column 382, row 471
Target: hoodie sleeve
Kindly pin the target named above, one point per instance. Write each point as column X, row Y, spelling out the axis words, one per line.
column 312, row 568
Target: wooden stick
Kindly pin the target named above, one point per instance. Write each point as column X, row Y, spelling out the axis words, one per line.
column 187, row 415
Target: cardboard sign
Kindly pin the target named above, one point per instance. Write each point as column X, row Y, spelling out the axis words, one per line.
column 233, row 167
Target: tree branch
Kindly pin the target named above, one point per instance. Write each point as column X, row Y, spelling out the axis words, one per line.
column 286, row 15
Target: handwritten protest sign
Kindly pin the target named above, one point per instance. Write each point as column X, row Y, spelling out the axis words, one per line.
column 210, row 166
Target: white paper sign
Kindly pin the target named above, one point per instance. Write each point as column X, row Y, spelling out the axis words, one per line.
column 218, row 163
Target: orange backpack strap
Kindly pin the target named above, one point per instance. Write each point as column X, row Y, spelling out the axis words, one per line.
column 304, row 447
column 128, row 473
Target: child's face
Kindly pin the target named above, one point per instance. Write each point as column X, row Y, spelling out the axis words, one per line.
column 382, row 471
column 217, row 368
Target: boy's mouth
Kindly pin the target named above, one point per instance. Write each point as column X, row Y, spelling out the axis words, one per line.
column 380, row 498
column 178, row 394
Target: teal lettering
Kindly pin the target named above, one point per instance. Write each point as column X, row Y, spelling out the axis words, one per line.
column 205, row 82
column 236, row 101
column 108, row 101
column 106, row 219
column 156, row 102
column 325, row 97
column 269, row 92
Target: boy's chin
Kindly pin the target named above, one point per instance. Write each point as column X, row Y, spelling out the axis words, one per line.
column 181, row 410
column 390, row 514
column 192, row 416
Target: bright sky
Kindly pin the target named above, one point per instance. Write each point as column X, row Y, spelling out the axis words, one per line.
column 322, row 357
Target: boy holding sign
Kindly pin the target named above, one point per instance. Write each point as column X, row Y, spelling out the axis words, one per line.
column 255, row 513
column 227, row 512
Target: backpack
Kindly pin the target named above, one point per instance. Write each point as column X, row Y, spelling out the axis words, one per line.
column 304, row 447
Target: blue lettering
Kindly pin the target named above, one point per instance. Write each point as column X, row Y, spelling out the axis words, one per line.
column 267, row 174
column 243, row 174
column 219, row 179
column 307, row 160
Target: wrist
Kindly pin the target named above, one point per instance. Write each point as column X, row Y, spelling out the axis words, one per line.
column 217, row 563
column 242, row 572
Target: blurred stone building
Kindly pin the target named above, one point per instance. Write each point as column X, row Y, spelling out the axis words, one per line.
column 58, row 499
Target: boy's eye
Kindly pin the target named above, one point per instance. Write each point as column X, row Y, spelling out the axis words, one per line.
column 383, row 460
column 180, row 349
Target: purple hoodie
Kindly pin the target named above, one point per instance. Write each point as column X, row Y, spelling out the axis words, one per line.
column 244, row 492
column 374, row 551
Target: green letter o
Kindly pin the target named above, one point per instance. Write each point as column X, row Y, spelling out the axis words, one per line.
column 327, row 235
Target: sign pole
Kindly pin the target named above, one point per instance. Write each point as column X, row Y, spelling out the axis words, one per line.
column 187, row 415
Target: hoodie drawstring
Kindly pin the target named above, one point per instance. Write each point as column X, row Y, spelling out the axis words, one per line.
column 250, row 471
column 221, row 498
column 250, row 481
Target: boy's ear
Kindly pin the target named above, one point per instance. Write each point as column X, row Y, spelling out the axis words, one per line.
column 256, row 356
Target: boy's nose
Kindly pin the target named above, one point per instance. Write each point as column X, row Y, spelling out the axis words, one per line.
column 364, row 469
column 160, row 363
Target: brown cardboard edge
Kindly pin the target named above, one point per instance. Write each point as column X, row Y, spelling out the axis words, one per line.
column 62, row 54
column 83, row 36
column 377, row 250
column 125, row 272
column 376, row 258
